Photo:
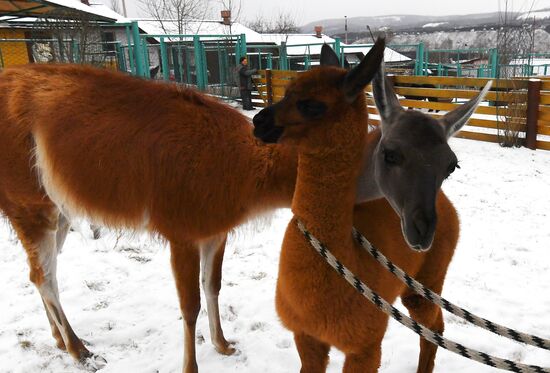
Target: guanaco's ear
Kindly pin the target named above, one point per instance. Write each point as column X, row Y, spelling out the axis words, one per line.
column 384, row 96
column 329, row 57
column 357, row 78
column 454, row 120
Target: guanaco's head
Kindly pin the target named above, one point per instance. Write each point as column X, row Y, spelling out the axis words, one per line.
column 324, row 107
column 413, row 158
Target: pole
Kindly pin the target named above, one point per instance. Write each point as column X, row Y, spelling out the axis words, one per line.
column 164, row 58
column 138, row 52
column 338, row 50
column 533, row 102
column 346, row 28
column 269, row 86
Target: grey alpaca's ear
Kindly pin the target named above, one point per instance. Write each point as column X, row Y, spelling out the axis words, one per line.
column 454, row 120
column 384, row 96
column 357, row 78
column 329, row 57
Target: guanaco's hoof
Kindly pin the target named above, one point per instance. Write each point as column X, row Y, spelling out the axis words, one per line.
column 227, row 348
column 93, row 362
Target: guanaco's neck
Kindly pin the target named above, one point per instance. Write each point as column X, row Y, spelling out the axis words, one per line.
column 276, row 181
column 326, row 192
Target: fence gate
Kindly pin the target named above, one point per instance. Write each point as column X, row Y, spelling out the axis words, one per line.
column 208, row 62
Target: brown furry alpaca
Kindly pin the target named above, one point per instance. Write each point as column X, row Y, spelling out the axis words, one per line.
column 310, row 300
column 131, row 153
column 409, row 158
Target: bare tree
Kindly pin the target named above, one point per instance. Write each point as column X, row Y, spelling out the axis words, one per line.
column 515, row 43
column 115, row 6
column 173, row 16
column 282, row 23
column 68, row 36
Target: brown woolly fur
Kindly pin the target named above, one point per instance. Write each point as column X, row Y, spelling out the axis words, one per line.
column 323, row 310
column 324, row 112
column 130, row 153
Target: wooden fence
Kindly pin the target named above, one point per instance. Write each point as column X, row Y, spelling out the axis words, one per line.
column 519, row 104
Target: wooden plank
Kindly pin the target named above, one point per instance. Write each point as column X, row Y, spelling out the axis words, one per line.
column 454, row 81
column 280, row 82
column 461, row 93
column 278, row 91
column 489, row 110
column 544, row 115
column 374, row 122
column 372, row 110
column 487, row 137
column 485, row 123
column 543, row 130
column 280, row 74
column 544, row 145
column 545, row 99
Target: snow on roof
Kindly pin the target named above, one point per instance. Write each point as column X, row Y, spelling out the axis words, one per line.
column 197, row 27
column 101, row 13
column 533, row 61
column 108, row 12
column 389, row 54
column 298, row 39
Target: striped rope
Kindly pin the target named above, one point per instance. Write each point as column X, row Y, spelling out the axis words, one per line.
column 419, row 329
column 435, row 298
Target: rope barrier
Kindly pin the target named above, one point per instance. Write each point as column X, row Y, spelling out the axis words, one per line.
column 435, row 298
column 419, row 329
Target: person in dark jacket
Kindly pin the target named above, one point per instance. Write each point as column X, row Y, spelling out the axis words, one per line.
column 245, row 81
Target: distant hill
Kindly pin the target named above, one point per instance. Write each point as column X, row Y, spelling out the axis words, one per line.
column 411, row 23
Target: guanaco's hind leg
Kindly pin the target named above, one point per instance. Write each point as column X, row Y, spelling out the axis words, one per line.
column 211, row 267
column 38, row 231
column 313, row 353
column 185, row 261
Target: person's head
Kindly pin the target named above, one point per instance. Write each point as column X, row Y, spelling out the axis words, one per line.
column 243, row 61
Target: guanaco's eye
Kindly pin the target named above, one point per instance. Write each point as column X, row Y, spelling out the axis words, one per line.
column 392, row 157
column 311, row 109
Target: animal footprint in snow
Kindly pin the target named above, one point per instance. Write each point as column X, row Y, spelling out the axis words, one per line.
column 282, row 344
column 258, row 326
column 258, row 276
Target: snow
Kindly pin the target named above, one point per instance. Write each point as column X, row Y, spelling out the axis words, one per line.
column 390, row 55
column 536, row 15
column 198, row 27
column 119, row 295
column 434, row 24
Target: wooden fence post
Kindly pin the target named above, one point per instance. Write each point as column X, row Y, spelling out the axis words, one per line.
column 269, row 86
column 533, row 102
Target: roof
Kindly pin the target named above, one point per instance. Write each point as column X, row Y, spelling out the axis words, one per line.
column 298, row 39
column 197, row 27
column 46, row 8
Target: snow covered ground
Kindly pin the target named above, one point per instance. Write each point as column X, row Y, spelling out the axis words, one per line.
column 119, row 294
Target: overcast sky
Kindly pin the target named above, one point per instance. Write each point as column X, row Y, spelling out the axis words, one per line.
column 305, row 11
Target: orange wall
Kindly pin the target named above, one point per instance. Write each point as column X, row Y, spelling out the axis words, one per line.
column 13, row 53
